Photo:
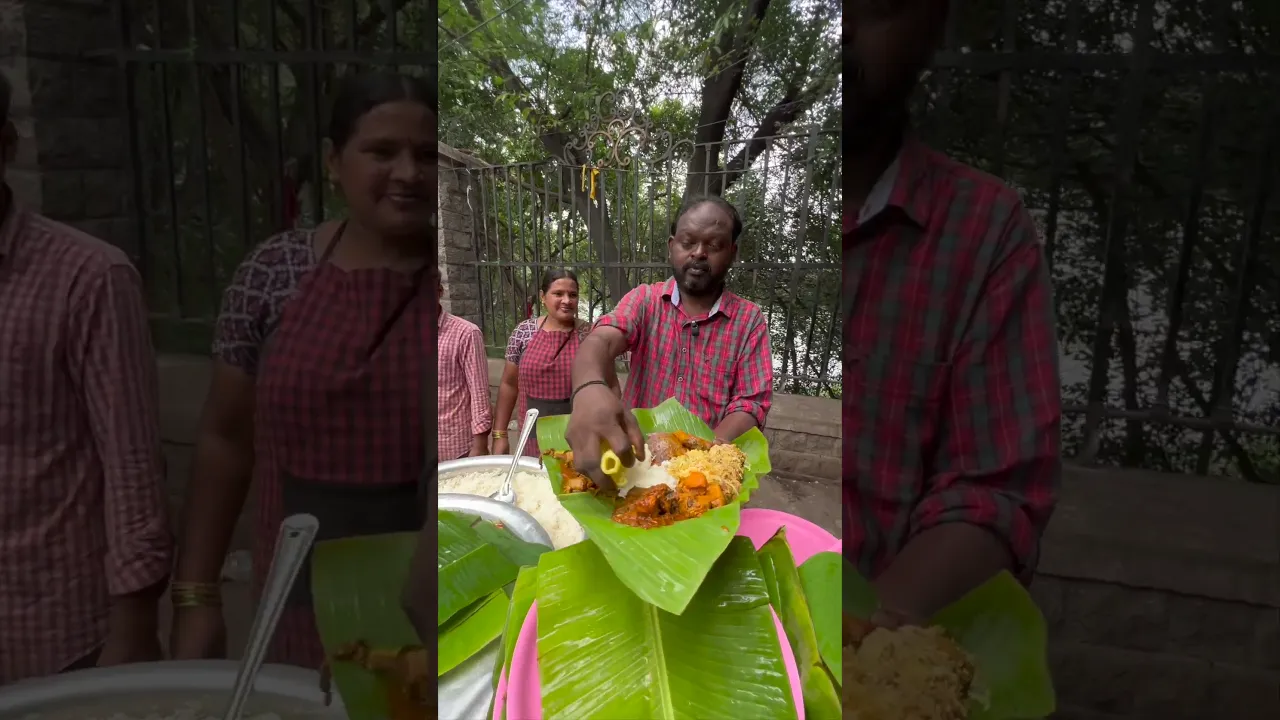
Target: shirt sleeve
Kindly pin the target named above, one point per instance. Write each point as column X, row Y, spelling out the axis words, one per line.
column 245, row 314
column 631, row 316
column 753, row 377
column 475, row 367
column 112, row 360
column 518, row 341
column 999, row 463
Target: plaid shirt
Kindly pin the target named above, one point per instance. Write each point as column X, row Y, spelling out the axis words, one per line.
column 463, row 393
column 82, row 504
column 724, row 368
column 951, row 398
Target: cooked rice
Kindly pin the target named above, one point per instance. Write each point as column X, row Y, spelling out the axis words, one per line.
column 910, row 673
column 534, row 495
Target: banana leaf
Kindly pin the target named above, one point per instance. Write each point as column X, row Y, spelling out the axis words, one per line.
column 664, row 565
column 820, row 579
column 469, row 567
column 605, row 653
column 522, row 597
column 821, row 702
column 469, row 631
column 1002, row 628
column 355, row 586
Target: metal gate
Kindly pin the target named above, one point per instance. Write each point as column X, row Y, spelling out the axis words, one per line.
column 605, row 207
column 227, row 102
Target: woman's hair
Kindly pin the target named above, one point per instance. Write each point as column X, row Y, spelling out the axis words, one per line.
column 693, row 202
column 361, row 92
column 554, row 274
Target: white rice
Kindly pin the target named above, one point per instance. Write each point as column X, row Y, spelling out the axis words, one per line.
column 645, row 474
column 533, row 495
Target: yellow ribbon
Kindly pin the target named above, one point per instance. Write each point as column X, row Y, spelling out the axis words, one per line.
column 594, row 173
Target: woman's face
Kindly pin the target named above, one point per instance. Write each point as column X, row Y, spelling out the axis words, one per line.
column 561, row 299
column 386, row 168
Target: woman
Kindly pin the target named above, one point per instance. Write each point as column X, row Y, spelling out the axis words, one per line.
column 539, row 357
column 317, row 387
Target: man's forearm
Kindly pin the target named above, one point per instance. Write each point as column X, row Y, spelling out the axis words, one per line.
column 596, row 356
column 938, row 567
column 734, row 425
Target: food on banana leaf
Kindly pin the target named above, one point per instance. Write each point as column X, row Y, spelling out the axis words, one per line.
column 682, row 476
column 909, row 673
column 404, row 674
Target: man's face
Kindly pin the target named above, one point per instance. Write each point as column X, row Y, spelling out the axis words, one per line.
column 702, row 249
column 891, row 43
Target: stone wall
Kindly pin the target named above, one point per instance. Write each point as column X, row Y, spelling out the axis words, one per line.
column 72, row 163
column 461, row 280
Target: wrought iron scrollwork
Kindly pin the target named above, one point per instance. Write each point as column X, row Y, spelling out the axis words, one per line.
column 611, row 138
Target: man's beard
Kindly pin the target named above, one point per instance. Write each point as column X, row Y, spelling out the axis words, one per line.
column 699, row 286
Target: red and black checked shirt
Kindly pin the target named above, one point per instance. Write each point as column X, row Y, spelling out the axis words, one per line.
column 463, row 393
column 82, row 504
column 952, row 404
column 725, row 368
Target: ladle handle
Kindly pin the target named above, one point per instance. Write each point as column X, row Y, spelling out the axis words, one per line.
column 297, row 534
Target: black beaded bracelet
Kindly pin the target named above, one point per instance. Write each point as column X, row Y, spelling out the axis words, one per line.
column 578, row 389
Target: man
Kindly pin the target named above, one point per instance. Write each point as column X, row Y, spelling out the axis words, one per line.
column 951, row 393
column 688, row 337
column 85, row 547
column 463, row 393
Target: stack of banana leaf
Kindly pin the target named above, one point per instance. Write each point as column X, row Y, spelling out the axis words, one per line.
column 664, row 623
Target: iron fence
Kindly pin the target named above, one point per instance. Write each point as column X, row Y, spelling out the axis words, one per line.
column 1143, row 138
column 226, row 104
column 604, row 208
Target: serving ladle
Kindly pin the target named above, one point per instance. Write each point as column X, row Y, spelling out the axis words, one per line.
column 297, row 534
column 507, row 493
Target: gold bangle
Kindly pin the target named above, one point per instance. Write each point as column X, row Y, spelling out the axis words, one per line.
column 499, row 434
column 184, row 594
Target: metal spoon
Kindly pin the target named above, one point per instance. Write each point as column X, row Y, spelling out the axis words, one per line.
column 297, row 533
column 507, row 494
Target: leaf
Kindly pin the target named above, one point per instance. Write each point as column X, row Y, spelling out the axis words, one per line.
column 721, row 658
column 820, row 578
column 821, row 702
column 470, row 578
column 520, row 552
column 666, row 565
column 1002, row 628
column 522, row 597
column 356, row 584
column 469, row 631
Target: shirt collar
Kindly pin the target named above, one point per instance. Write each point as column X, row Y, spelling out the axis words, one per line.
column 672, row 291
column 905, row 184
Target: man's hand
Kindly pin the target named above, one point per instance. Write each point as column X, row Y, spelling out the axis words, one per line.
column 598, row 415
column 936, row 568
column 480, row 445
column 132, row 631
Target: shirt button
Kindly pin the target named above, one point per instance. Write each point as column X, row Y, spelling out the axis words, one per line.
column 680, row 379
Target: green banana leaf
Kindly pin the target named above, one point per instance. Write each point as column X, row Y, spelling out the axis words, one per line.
column 469, row 631
column 355, row 586
column 1002, row 628
column 820, row 579
column 721, row 658
column 821, row 701
column 522, row 597
column 472, row 576
column 665, row 565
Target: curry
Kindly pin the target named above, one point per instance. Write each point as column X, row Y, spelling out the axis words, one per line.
column 706, row 476
column 404, row 674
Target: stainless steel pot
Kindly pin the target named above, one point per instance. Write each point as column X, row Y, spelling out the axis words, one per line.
column 466, row 691
column 161, row 687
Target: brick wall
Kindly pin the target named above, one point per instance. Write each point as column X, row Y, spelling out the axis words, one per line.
column 72, row 163
column 461, row 280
